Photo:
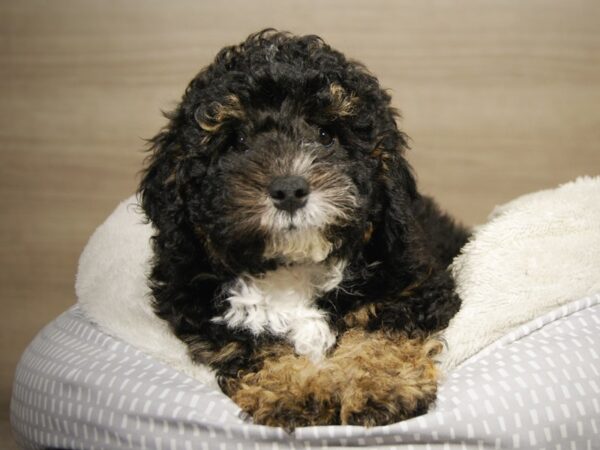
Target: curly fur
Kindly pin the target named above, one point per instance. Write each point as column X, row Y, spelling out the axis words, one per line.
column 273, row 106
column 369, row 379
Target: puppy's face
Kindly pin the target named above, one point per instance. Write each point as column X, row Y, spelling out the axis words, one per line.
column 278, row 160
column 282, row 181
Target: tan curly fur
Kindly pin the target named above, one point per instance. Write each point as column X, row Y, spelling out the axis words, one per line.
column 231, row 107
column 342, row 103
column 369, row 379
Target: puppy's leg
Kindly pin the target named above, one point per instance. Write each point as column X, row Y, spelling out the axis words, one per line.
column 388, row 377
column 369, row 379
column 288, row 390
column 426, row 305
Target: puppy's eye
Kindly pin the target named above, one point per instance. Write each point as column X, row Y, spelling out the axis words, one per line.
column 241, row 142
column 325, row 137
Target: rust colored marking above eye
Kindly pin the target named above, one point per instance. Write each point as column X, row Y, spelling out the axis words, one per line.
column 220, row 112
column 343, row 104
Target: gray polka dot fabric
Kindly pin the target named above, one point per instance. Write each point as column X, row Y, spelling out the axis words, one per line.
column 536, row 388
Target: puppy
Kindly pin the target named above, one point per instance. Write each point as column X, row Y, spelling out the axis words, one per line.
column 293, row 252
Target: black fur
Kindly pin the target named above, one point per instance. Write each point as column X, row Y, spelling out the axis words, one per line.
column 191, row 191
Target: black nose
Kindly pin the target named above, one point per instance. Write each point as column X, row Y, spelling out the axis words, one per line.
column 289, row 193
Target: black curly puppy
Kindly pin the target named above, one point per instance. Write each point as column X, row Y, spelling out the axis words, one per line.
column 290, row 233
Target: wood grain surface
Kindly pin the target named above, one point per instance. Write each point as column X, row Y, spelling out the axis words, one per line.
column 500, row 98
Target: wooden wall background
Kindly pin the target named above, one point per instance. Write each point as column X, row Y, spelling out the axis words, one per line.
column 500, row 98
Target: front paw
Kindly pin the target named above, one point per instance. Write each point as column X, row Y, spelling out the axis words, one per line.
column 289, row 391
column 389, row 378
column 370, row 379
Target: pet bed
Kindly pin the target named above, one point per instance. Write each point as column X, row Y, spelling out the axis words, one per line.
column 523, row 365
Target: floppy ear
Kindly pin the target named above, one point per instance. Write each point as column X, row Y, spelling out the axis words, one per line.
column 406, row 239
column 166, row 164
column 396, row 224
column 412, row 223
column 166, row 179
column 165, row 209
column 158, row 188
column 182, row 278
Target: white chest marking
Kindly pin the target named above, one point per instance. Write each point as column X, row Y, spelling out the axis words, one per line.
column 282, row 302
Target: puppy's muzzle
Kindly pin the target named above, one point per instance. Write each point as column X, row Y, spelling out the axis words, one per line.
column 289, row 193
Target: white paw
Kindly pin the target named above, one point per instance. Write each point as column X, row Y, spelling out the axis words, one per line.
column 312, row 338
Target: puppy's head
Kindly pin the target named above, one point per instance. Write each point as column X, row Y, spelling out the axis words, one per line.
column 281, row 151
